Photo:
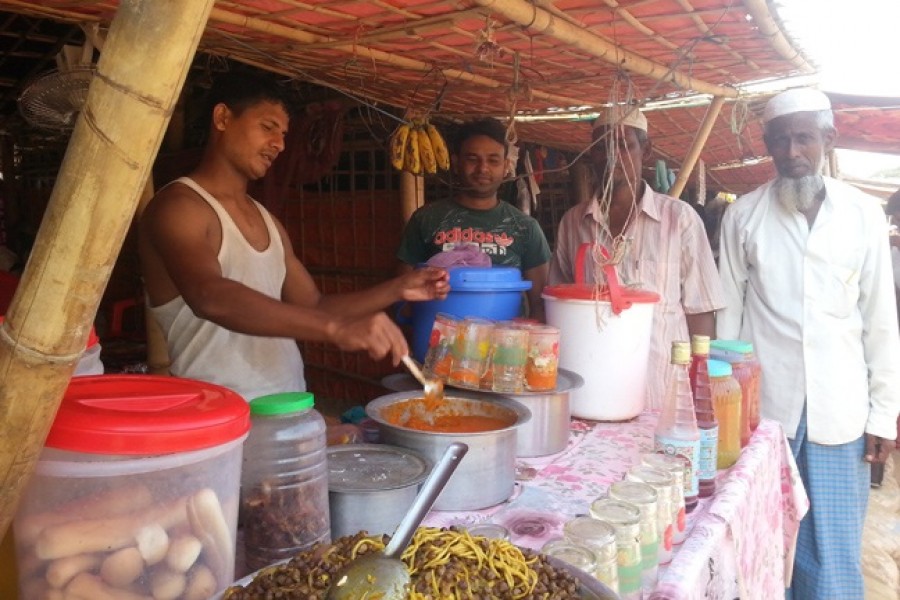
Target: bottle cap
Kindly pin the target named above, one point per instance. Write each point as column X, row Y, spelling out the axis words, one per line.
column 719, row 368
column 700, row 345
column 681, row 353
column 739, row 346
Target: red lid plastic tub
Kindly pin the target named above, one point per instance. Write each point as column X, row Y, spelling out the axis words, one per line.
column 609, row 350
column 139, row 484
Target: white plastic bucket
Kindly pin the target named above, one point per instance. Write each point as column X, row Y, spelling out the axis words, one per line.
column 611, row 357
column 605, row 338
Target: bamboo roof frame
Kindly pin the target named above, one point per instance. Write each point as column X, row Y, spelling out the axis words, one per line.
column 504, row 57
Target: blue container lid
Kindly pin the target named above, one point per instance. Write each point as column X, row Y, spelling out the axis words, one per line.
column 487, row 279
column 719, row 368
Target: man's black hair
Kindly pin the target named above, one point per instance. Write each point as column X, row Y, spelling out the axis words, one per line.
column 241, row 89
column 489, row 127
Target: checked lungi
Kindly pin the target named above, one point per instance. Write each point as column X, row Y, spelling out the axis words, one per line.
column 827, row 565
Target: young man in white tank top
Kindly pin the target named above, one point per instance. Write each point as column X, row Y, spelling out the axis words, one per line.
column 221, row 275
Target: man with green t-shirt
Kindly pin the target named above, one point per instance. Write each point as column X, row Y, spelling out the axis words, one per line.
column 476, row 216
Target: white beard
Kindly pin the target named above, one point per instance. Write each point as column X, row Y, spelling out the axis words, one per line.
column 798, row 193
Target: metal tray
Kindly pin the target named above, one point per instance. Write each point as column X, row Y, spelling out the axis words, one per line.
column 591, row 588
column 565, row 381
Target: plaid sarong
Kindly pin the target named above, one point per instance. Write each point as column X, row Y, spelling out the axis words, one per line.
column 827, row 565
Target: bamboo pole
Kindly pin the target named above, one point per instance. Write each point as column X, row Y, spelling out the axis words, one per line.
column 412, row 194
column 539, row 20
column 768, row 27
column 158, row 360
column 140, row 74
column 404, row 62
column 712, row 113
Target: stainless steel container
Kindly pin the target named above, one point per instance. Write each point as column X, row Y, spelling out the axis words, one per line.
column 548, row 430
column 486, row 476
column 371, row 486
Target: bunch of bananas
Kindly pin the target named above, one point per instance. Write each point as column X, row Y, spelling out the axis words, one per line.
column 418, row 147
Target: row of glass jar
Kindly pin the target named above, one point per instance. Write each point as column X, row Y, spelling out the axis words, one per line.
column 631, row 530
column 503, row 356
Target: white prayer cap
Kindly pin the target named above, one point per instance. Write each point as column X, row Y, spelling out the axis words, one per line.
column 619, row 114
column 794, row 101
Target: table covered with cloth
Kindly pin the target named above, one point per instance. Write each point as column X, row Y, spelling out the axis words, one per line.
column 740, row 541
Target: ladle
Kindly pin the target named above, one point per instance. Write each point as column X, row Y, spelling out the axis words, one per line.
column 384, row 575
column 434, row 388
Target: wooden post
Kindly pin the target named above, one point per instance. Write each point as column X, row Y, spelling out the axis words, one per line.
column 712, row 113
column 158, row 360
column 412, row 194
column 144, row 64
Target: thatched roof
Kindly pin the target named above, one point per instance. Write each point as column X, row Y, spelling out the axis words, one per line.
column 528, row 57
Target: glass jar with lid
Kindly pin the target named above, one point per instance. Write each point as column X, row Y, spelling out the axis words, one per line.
column 674, row 466
column 284, row 480
column 600, row 537
column 626, row 520
column 573, row 553
column 645, row 498
column 664, row 484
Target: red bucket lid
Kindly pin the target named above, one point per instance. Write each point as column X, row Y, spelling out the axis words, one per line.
column 146, row 414
column 579, row 291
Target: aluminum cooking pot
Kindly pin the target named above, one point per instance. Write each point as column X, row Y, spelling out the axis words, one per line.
column 548, row 430
column 486, row 476
column 371, row 486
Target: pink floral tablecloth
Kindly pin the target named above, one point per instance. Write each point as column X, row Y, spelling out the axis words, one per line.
column 740, row 541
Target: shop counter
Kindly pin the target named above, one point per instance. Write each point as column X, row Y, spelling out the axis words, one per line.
column 740, row 541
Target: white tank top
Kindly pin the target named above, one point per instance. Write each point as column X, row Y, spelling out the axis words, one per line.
column 253, row 366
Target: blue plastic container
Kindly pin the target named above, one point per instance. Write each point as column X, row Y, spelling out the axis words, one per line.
column 486, row 292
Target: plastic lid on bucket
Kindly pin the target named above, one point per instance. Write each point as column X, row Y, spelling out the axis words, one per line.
column 487, row 279
column 145, row 414
column 578, row 291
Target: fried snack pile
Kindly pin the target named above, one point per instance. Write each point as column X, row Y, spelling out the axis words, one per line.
column 443, row 563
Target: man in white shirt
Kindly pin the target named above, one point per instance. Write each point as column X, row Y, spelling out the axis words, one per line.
column 806, row 268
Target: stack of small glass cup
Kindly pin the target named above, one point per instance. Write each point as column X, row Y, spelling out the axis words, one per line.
column 631, row 530
column 502, row 356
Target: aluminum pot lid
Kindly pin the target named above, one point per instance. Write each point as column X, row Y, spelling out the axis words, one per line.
column 374, row 468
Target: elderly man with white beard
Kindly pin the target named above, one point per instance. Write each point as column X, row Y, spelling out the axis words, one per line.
column 806, row 268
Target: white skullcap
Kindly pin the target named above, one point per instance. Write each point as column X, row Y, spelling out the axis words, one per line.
column 618, row 114
column 794, row 101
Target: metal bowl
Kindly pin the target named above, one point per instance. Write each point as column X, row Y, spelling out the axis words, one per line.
column 486, row 476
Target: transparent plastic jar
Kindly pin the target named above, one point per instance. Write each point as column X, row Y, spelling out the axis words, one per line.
column 573, row 553
column 674, row 466
column 284, row 481
column 726, row 393
column 600, row 537
column 626, row 519
column 644, row 497
column 747, row 371
column 663, row 483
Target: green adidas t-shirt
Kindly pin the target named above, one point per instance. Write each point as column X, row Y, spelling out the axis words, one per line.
column 510, row 237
